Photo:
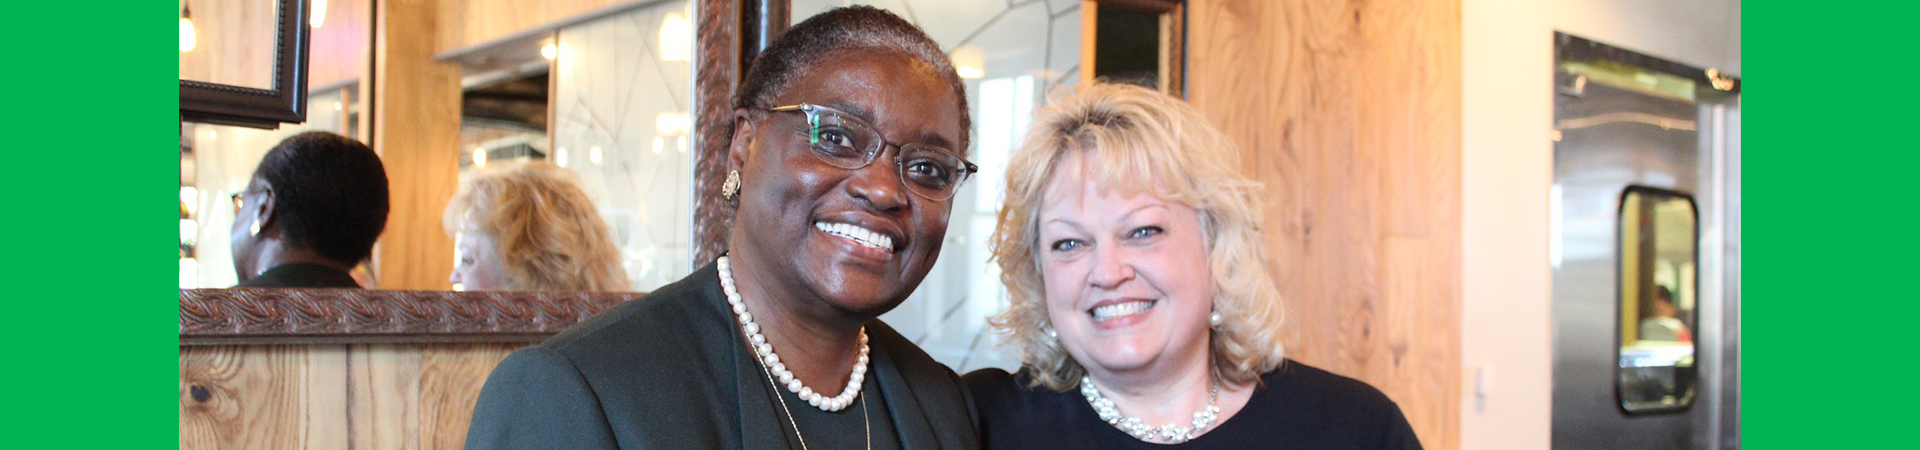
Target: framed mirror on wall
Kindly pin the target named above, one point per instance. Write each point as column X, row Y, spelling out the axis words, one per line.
column 230, row 75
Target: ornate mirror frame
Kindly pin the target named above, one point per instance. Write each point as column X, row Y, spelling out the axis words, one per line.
column 206, row 102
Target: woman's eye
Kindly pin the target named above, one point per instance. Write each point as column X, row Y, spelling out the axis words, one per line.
column 928, row 173
column 836, row 142
column 1148, row 231
column 1067, row 245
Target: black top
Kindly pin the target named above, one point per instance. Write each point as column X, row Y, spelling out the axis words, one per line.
column 301, row 275
column 671, row 370
column 1300, row 407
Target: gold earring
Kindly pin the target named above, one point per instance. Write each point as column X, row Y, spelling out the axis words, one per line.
column 730, row 190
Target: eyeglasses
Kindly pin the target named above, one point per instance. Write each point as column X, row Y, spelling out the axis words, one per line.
column 845, row 141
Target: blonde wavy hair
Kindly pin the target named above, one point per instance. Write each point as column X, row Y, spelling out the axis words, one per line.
column 1139, row 140
column 546, row 231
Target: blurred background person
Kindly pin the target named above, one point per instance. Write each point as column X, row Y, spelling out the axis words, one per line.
column 530, row 227
column 1140, row 297
column 315, row 206
column 1662, row 322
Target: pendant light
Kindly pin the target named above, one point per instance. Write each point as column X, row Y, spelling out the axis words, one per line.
column 319, row 11
column 187, row 36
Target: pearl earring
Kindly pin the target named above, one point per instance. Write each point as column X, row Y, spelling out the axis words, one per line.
column 255, row 228
column 1215, row 319
column 1052, row 334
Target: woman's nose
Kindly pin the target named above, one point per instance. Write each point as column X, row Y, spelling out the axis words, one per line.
column 1110, row 269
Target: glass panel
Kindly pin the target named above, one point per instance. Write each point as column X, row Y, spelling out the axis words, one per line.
column 1009, row 54
column 1659, row 257
column 622, row 121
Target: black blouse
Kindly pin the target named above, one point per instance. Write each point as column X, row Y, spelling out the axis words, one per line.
column 1300, row 407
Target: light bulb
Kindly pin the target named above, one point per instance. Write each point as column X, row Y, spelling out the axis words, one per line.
column 319, row 11
column 479, row 157
column 187, row 36
column 549, row 51
column 676, row 37
column 593, row 154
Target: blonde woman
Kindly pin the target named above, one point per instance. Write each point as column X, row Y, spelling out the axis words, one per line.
column 1140, row 299
column 529, row 227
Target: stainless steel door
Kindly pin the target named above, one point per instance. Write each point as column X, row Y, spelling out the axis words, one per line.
column 1622, row 120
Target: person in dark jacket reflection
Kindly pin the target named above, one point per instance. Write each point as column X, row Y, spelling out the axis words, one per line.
column 311, row 213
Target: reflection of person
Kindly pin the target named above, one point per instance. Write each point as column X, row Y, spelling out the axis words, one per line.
column 529, row 227
column 1662, row 322
column 1140, row 299
column 311, row 212
column 844, row 161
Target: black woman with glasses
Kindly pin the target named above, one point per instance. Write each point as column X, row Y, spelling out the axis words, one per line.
column 311, row 212
column 848, row 146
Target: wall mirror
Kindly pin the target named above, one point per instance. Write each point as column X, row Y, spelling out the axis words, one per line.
column 244, row 62
column 1659, row 263
column 217, row 157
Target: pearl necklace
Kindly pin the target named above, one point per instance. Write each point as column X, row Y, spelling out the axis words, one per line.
column 1138, row 428
column 772, row 361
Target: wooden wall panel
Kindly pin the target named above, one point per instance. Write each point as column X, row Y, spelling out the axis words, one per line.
column 235, row 397
column 235, row 43
column 342, row 46
column 416, row 129
column 1349, row 112
column 474, row 22
column 362, row 396
column 450, row 380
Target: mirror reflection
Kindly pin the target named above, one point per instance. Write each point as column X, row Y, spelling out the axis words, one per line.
column 1659, row 255
column 603, row 104
column 220, row 41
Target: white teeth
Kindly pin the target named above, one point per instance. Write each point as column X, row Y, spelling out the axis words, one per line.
column 1118, row 310
column 864, row 236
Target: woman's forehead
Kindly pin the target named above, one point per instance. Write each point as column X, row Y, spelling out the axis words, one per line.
column 888, row 89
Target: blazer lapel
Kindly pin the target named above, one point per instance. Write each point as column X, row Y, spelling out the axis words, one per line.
column 909, row 419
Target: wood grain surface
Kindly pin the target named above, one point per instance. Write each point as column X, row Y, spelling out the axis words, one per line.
column 239, row 397
column 372, row 396
column 416, row 129
column 1349, row 112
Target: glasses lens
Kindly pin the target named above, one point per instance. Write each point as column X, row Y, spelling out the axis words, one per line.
column 841, row 140
column 930, row 171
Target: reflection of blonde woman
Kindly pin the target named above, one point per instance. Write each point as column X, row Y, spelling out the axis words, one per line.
column 1141, row 302
column 529, row 227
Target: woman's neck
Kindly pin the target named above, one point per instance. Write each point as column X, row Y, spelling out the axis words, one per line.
column 1166, row 397
column 818, row 345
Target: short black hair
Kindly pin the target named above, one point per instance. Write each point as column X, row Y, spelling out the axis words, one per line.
column 794, row 53
column 329, row 194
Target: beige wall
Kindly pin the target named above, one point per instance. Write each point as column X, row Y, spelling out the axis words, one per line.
column 1507, row 163
column 1349, row 113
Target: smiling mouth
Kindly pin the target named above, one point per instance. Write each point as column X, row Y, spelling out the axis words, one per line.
column 1120, row 310
column 857, row 234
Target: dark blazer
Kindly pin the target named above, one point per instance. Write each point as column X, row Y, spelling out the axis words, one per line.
column 301, row 275
column 665, row 371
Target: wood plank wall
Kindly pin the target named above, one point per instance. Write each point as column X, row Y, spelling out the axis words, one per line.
column 416, row 129
column 1349, row 111
column 473, row 22
column 366, row 396
column 230, row 49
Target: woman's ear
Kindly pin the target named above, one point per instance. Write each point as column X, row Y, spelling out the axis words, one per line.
column 266, row 217
column 739, row 149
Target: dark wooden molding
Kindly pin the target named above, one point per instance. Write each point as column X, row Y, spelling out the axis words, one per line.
column 722, row 62
column 308, row 316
